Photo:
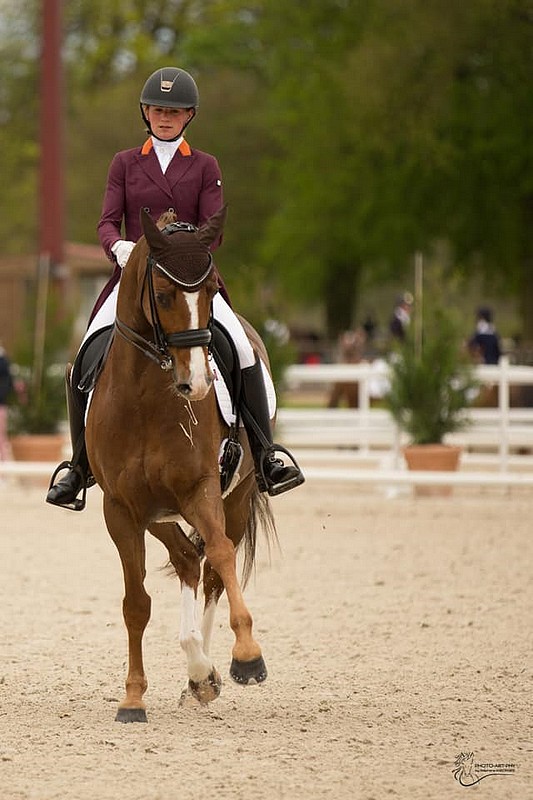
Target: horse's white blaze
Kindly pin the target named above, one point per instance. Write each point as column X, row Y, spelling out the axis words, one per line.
column 191, row 639
column 197, row 364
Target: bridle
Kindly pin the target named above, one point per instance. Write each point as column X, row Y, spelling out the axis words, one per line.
column 157, row 350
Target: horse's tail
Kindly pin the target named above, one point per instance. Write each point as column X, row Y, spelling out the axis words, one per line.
column 260, row 516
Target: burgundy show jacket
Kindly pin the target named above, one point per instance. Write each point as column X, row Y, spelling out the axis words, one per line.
column 191, row 187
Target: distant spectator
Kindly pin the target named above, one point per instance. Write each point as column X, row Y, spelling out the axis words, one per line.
column 370, row 326
column 401, row 316
column 6, row 387
column 351, row 349
column 484, row 344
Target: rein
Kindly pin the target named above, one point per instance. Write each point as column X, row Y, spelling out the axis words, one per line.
column 157, row 350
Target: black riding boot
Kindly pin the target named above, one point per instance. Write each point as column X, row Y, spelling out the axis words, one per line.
column 65, row 492
column 271, row 473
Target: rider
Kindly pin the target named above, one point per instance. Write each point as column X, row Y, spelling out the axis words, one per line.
column 166, row 174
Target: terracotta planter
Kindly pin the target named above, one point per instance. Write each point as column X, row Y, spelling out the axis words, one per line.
column 434, row 458
column 35, row 447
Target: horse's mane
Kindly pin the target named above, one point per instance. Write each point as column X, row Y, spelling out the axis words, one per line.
column 166, row 218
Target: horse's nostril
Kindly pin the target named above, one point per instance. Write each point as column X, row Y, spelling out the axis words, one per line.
column 184, row 388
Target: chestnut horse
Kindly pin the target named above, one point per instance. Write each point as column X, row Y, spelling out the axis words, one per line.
column 153, row 438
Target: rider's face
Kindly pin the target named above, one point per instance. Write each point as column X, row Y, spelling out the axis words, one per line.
column 167, row 123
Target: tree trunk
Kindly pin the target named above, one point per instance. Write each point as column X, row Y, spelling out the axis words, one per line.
column 526, row 284
column 526, row 305
column 340, row 295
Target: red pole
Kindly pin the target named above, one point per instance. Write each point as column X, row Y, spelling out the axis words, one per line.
column 51, row 135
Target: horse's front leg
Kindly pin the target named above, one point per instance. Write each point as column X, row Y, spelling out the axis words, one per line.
column 247, row 664
column 242, row 671
column 129, row 540
column 204, row 681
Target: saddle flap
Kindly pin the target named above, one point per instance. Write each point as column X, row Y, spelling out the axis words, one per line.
column 91, row 359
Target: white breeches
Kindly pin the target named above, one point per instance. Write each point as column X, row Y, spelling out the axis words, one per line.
column 221, row 312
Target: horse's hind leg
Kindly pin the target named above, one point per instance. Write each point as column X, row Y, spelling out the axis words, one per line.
column 213, row 589
column 204, row 680
column 129, row 540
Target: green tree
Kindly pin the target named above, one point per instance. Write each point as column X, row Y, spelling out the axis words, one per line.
column 350, row 132
column 394, row 125
column 311, row 246
column 487, row 209
column 19, row 154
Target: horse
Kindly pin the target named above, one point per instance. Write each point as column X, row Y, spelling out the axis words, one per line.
column 154, row 435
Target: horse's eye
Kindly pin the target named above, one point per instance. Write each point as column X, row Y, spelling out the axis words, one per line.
column 164, row 299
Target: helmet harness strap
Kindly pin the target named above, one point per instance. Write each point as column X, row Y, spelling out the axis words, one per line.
column 174, row 138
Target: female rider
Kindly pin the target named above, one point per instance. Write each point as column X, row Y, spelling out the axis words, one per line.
column 166, row 174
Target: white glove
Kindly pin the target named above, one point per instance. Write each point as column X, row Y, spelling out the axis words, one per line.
column 121, row 250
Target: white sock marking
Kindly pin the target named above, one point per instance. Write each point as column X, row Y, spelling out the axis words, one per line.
column 191, row 640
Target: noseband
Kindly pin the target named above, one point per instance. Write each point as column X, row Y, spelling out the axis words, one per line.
column 157, row 350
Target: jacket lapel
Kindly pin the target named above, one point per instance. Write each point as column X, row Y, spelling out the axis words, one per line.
column 150, row 165
column 179, row 165
column 177, row 168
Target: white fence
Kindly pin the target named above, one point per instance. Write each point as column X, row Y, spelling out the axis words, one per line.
column 494, row 439
column 333, row 444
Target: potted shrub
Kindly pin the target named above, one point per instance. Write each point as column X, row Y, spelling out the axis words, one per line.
column 35, row 415
column 431, row 389
column 38, row 407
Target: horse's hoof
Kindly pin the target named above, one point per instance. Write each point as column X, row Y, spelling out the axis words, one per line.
column 248, row 672
column 131, row 715
column 188, row 699
column 207, row 690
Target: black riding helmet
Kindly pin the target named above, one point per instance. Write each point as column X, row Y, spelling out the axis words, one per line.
column 169, row 87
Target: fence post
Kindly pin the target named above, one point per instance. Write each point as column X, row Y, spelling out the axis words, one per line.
column 503, row 402
column 364, row 406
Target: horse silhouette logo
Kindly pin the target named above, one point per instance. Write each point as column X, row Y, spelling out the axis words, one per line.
column 464, row 769
column 468, row 772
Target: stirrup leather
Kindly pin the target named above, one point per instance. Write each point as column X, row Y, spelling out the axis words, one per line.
column 229, row 461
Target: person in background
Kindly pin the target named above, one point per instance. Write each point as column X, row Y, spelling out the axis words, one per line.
column 370, row 326
column 484, row 344
column 401, row 316
column 351, row 350
column 6, row 387
column 166, row 174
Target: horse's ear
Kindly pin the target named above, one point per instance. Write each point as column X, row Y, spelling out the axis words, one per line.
column 154, row 237
column 214, row 226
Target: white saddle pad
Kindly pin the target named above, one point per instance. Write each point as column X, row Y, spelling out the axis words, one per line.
column 223, row 396
column 224, row 400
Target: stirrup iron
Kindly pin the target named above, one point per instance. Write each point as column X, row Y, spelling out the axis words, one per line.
column 284, row 486
column 78, row 504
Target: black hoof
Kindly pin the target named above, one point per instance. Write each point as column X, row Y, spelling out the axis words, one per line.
column 248, row 672
column 131, row 715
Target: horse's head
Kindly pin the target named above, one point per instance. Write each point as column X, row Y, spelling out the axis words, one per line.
column 179, row 289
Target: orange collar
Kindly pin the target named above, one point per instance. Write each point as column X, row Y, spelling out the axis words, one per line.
column 184, row 147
